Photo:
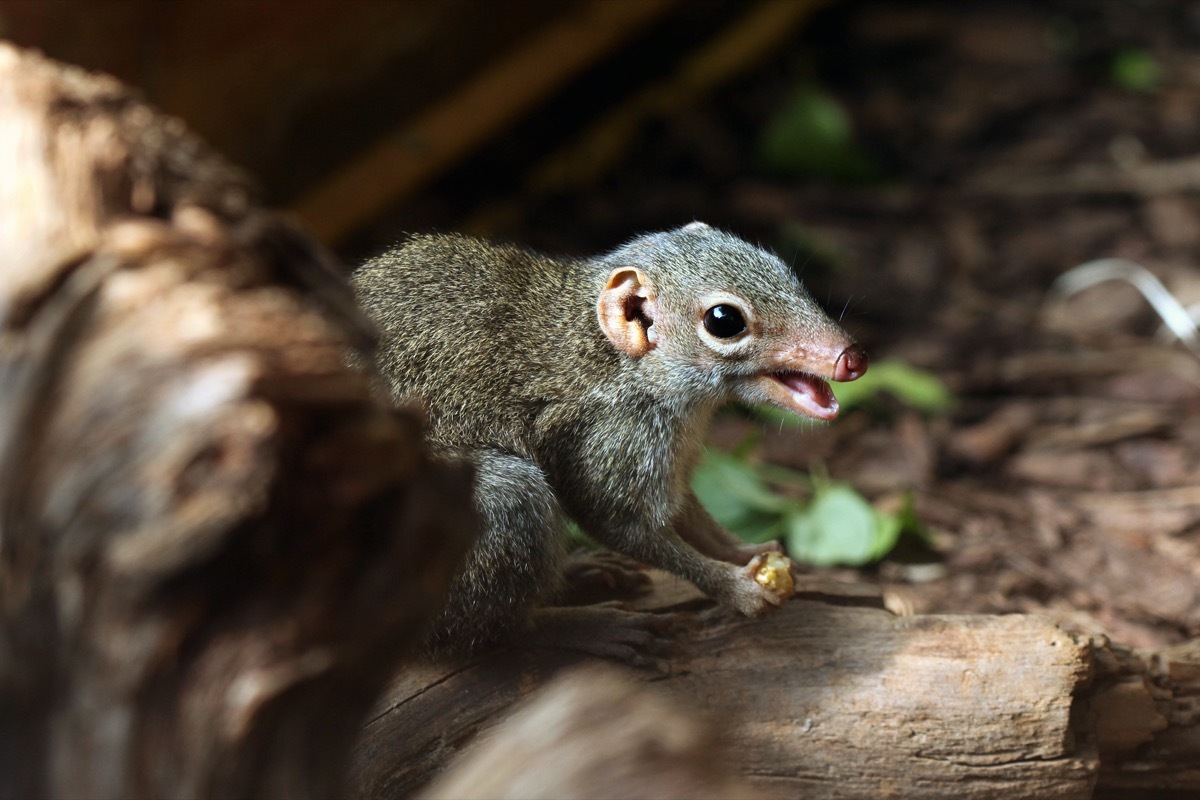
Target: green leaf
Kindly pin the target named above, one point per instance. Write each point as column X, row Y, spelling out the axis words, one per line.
column 888, row 528
column 838, row 527
column 813, row 135
column 733, row 493
column 841, row 527
column 1135, row 69
column 757, row 527
column 916, row 388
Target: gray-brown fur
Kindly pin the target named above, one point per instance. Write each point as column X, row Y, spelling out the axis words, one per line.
column 504, row 349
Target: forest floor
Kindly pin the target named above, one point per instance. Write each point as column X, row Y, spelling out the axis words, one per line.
column 1008, row 143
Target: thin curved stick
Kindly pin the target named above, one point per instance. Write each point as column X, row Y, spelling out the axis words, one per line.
column 1175, row 317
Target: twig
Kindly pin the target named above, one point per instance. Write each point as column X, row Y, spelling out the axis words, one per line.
column 1173, row 314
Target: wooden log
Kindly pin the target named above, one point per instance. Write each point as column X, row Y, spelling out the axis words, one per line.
column 1143, row 712
column 833, row 698
column 591, row 733
column 214, row 542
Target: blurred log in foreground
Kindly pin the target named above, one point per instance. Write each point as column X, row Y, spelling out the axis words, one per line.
column 830, row 697
column 592, row 734
column 214, row 544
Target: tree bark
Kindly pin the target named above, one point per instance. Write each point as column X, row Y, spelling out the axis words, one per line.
column 591, row 733
column 1143, row 709
column 833, row 698
column 214, row 542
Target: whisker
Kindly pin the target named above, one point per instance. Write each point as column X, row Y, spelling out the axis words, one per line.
column 799, row 271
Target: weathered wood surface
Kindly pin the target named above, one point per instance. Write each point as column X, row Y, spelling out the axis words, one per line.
column 1143, row 708
column 819, row 700
column 592, row 734
column 833, row 698
column 214, row 543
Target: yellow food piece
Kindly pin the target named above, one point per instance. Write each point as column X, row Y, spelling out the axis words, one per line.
column 775, row 575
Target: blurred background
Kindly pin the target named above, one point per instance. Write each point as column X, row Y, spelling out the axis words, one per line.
column 931, row 168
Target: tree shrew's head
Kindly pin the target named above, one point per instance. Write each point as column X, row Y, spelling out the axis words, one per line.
column 722, row 316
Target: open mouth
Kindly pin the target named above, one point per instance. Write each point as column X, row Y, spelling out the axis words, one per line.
column 805, row 394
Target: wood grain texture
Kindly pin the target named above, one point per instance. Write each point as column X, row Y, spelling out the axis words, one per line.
column 1143, row 710
column 589, row 733
column 831, row 697
column 819, row 700
column 215, row 542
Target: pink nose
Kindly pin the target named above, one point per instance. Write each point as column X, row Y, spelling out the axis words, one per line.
column 851, row 364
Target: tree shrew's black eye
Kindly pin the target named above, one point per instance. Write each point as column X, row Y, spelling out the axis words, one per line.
column 724, row 321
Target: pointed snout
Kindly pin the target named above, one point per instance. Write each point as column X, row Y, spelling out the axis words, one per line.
column 851, row 364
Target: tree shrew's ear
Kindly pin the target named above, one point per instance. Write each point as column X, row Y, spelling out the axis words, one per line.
column 627, row 310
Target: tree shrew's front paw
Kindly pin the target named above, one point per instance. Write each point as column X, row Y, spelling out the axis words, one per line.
column 765, row 583
column 773, row 571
